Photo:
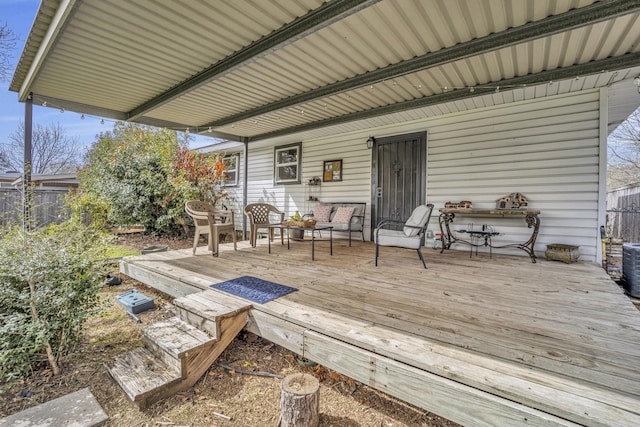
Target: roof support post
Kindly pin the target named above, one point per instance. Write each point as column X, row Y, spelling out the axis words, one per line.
column 602, row 167
column 245, row 181
column 27, row 193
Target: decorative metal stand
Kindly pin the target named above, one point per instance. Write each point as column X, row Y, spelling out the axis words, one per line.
column 448, row 215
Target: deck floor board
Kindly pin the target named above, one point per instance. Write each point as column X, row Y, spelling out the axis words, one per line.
column 502, row 325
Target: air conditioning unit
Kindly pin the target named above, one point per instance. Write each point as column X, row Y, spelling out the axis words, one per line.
column 631, row 268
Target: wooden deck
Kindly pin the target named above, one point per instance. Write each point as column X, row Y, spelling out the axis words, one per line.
column 480, row 341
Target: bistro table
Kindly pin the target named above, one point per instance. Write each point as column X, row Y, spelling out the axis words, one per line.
column 531, row 217
column 477, row 238
column 313, row 230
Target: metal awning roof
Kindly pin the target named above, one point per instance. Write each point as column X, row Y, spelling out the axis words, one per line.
column 250, row 70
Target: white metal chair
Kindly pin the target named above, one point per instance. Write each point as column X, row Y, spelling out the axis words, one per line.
column 410, row 237
column 259, row 215
column 211, row 221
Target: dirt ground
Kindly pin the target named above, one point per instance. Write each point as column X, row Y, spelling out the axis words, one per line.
column 241, row 389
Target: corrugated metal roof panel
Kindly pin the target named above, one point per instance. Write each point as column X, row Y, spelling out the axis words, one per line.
column 42, row 21
column 140, row 49
column 121, row 56
column 513, row 61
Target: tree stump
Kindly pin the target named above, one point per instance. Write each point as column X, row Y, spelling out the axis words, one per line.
column 300, row 401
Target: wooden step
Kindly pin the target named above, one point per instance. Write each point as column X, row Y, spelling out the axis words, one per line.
column 206, row 309
column 177, row 353
column 142, row 376
column 173, row 339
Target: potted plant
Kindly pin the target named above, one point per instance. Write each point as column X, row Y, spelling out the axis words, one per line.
column 297, row 221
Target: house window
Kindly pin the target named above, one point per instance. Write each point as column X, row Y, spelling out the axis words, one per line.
column 232, row 170
column 287, row 163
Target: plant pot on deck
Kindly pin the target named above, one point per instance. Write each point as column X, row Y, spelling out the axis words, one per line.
column 564, row 253
column 296, row 234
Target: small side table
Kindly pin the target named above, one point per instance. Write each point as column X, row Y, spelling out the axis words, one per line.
column 480, row 238
column 312, row 240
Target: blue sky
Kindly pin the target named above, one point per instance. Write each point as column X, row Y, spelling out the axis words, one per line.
column 19, row 16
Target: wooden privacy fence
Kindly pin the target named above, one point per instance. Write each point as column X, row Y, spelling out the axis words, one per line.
column 623, row 213
column 624, row 224
column 48, row 206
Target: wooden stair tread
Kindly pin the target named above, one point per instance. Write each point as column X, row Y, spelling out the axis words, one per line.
column 233, row 303
column 141, row 374
column 212, row 305
column 176, row 337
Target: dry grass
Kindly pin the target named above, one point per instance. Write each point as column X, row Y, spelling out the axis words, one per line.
column 222, row 397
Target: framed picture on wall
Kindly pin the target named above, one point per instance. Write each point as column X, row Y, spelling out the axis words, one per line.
column 287, row 163
column 332, row 170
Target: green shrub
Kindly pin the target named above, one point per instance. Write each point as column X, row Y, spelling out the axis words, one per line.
column 145, row 175
column 89, row 208
column 128, row 167
column 49, row 284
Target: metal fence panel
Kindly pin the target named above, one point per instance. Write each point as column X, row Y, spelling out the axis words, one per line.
column 48, row 206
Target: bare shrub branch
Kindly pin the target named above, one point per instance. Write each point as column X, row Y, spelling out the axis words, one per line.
column 52, row 151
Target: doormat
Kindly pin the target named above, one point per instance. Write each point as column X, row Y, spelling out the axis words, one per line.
column 254, row 289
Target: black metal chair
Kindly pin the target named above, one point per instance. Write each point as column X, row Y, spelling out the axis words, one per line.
column 411, row 236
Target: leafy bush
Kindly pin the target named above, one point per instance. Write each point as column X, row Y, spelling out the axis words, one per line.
column 89, row 208
column 195, row 176
column 146, row 175
column 128, row 167
column 49, row 284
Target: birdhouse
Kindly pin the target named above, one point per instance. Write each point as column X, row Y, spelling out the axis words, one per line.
column 512, row 201
column 518, row 201
column 503, row 202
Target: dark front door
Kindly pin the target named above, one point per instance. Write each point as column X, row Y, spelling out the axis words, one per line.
column 398, row 176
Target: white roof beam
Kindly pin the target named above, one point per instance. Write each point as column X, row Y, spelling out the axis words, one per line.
column 57, row 24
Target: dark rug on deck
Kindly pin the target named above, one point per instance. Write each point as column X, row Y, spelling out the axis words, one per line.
column 254, row 289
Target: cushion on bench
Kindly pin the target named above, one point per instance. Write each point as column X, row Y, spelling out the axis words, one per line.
column 351, row 218
column 343, row 215
column 336, row 227
column 322, row 213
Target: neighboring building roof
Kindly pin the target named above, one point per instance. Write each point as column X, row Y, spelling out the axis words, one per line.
column 9, row 176
column 625, row 187
column 59, row 180
column 251, row 71
column 221, row 147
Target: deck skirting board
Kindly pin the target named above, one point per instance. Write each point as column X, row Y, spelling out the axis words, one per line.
column 157, row 280
column 454, row 401
column 278, row 331
column 487, row 377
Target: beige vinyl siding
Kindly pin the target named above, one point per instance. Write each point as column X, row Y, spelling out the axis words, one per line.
column 235, row 200
column 547, row 149
column 354, row 187
column 261, row 188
